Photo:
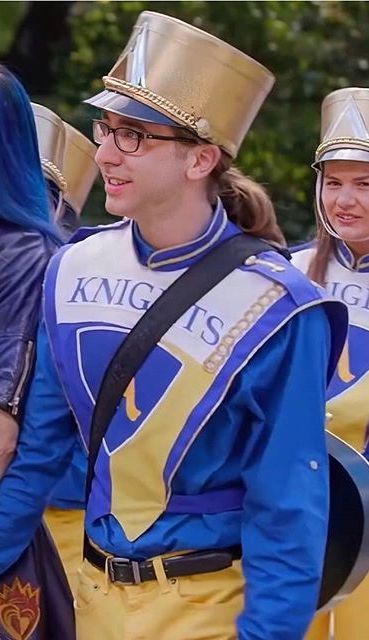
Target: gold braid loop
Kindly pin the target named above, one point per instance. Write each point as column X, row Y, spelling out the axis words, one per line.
column 199, row 125
column 52, row 171
column 355, row 142
column 223, row 349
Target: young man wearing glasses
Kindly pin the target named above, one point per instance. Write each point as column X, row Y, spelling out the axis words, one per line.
column 213, row 468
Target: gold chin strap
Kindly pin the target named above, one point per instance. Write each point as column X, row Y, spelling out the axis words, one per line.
column 320, row 209
column 322, row 215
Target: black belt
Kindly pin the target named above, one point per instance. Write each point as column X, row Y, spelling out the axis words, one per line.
column 133, row 572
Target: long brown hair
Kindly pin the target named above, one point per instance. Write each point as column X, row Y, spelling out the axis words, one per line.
column 246, row 202
column 324, row 248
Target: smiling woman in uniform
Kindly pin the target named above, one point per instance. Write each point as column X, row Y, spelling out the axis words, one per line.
column 339, row 260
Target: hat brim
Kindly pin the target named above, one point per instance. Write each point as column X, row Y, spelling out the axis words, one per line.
column 356, row 155
column 125, row 106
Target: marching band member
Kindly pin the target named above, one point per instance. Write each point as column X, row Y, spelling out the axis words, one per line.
column 68, row 162
column 339, row 260
column 33, row 600
column 204, row 480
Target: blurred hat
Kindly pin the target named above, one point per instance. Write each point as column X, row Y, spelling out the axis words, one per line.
column 51, row 143
column 174, row 74
column 79, row 167
column 344, row 126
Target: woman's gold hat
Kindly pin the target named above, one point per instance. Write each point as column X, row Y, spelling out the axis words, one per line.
column 51, row 143
column 79, row 167
column 344, row 126
column 173, row 73
column 344, row 136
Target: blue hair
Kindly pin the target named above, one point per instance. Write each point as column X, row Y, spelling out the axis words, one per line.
column 23, row 199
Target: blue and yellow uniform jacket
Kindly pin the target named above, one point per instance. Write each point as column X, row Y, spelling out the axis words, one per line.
column 220, row 438
column 347, row 279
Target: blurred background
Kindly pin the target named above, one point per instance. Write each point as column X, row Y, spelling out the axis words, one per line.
column 60, row 51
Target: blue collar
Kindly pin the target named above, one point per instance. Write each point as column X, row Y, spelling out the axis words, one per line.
column 182, row 256
column 347, row 259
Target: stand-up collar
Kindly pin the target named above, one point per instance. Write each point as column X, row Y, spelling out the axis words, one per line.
column 182, row 256
column 348, row 260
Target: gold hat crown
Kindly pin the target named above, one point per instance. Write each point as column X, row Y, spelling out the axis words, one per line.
column 345, row 125
column 79, row 167
column 199, row 81
column 51, row 143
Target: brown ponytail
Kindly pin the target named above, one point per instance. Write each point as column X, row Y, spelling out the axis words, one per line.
column 246, row 202
column 324, row 248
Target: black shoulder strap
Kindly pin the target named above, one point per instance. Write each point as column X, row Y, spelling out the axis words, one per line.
column 192, row 285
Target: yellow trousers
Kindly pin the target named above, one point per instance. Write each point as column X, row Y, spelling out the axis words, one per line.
column 350, row 618
column 66, row 528
column 198, row 607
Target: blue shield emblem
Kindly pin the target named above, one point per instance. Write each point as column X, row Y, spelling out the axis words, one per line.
column 144, row 392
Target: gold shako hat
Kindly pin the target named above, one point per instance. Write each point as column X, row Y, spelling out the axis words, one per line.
column 175, row 74
column 51, row 143
column 344, row 126
column 79, row 167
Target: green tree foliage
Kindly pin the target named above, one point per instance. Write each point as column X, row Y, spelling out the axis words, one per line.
column 312, row 47
column 11, row 14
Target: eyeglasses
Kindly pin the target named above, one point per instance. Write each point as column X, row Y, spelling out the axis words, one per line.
column 128, row 140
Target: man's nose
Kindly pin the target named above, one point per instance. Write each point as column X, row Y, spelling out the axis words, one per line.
column 108, row 152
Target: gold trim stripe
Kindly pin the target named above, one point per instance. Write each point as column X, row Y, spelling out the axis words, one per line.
column 356, row 142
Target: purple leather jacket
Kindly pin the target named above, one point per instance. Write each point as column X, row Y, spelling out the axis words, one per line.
column 24, row 255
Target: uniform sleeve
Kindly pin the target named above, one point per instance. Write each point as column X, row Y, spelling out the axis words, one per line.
column 22, row 271
column 44, row 449
column 286, row 477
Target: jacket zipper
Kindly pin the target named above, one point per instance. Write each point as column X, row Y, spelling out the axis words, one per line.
column 15, row 401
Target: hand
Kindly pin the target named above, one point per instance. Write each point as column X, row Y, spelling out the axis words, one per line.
column 8, row 439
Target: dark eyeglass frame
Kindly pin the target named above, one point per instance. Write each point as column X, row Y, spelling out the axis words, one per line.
column 140, row 136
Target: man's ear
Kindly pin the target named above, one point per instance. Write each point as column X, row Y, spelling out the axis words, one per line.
column 202, row 159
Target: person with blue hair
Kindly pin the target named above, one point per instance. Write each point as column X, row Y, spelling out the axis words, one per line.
column 28, row 238
column 37, row 199
column 34, row 588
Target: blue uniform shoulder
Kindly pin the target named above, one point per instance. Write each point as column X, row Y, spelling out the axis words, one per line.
column 304, row 293
column 81, row 234
column 275, row 267
column 85, row 232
